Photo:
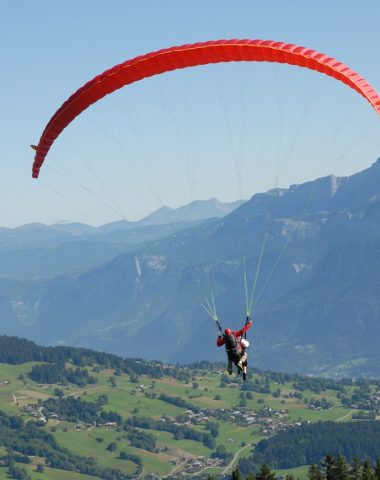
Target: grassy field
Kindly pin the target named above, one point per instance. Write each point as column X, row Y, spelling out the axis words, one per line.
column 298, row 472
column 129, row 398
column 48, row 474
column 84, row 443
column 16, row 391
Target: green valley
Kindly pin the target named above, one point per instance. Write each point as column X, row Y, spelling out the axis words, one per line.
column 137, row 419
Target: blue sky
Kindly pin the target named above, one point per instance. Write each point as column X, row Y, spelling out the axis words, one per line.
column 226, row 131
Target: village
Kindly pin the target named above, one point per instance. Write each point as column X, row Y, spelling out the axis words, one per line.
column 264, row 421
column 267, row 421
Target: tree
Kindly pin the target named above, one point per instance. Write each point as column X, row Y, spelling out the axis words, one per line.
column 220, row 451
column 214, row 429
column 367, row 472
column 236, row 475
column 40, row 468
column 112, row 447
column 341, row 469
column 58, row 392
column 377, row 469
column 209, row 441
column 265, row 473
column 328, row 467
column 356, row 469
column 18, row 473
column 314, row 473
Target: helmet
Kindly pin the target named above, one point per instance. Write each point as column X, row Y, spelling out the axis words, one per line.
column 244, row 343
column 228, row 331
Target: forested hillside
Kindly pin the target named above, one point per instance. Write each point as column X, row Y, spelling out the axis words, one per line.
column 68, row 413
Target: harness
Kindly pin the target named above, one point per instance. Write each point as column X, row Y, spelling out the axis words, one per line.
column 231, row 346
column 233, row 351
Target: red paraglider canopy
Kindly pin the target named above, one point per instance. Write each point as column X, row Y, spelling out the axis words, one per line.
column 192, row 55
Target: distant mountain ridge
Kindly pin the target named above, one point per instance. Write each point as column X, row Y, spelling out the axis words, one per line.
column 317, row 302
column 40, row 251
column 38, row 234
column 194, row 211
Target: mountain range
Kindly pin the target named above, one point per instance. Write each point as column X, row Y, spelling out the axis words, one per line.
column 311, row 251
column 40, row 251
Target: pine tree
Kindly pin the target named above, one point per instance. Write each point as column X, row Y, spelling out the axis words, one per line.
column 356, row 469
column 328, row 467
column 314, row 473
column 236, row 475
column 265, row 473
column 377, row 469
column 367, row 473
column 341, row 469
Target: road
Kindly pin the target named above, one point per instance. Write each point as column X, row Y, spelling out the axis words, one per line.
column 230, row 465
column 345, row 416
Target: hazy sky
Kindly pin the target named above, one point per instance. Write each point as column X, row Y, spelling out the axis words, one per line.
column 226, row 130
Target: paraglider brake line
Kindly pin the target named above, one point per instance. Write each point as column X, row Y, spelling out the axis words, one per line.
column 211, row 312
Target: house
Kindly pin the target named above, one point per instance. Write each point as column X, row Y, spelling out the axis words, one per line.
column 111, row 424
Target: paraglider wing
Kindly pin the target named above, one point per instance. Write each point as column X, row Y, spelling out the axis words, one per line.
column 193, row 55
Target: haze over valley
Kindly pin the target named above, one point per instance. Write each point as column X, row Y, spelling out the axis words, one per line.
column 316, row 302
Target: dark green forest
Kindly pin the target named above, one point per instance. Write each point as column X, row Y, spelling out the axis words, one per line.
column 330, row 468
column 16, row 351
column 308, row 443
